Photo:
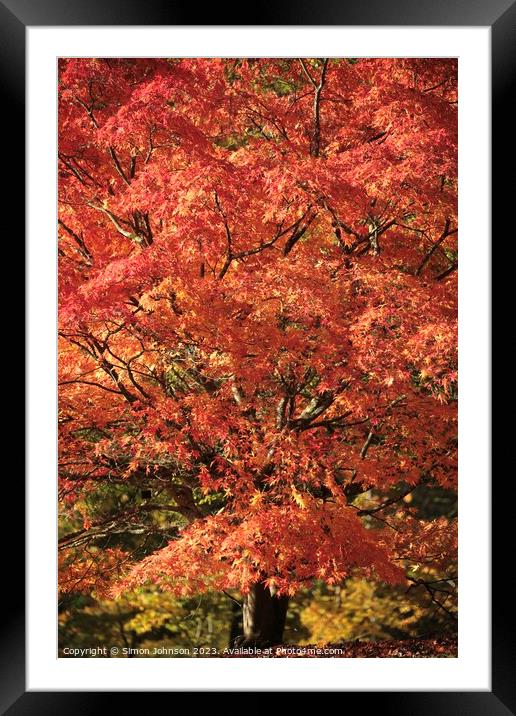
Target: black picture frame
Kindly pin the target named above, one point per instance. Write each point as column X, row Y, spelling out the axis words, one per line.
column 15, row 16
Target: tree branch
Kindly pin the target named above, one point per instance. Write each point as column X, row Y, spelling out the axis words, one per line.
column 118, row 166
column 446, row 232
column 315, row 140
column 447, row 271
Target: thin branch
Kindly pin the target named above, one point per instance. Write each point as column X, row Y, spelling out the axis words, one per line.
column 229, row 239
column 298, row 234
column 85, row 252
column 387, row 503
column 116, row 223
column 430, row 591
column 89, row 382
column 366, row 445
column 228, row 595
column 88, row 110
column 370, row 436
column 446, row 232
column 118, row 166
column 448, row 271
column 316, row 137
column 308, row 75
column 113, row 522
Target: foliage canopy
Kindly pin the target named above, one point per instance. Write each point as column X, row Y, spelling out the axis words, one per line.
column 257, row 321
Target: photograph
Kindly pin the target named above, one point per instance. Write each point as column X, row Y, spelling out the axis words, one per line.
column 257, row 357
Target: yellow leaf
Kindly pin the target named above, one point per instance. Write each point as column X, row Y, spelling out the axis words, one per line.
column 298, row 498
column 256, row 499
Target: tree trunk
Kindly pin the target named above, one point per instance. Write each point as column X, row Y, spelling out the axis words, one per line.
column 264, row 617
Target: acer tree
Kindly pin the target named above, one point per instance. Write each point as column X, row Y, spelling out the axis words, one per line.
column 257, row 325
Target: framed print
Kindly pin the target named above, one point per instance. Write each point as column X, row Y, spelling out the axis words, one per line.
column 258, row 264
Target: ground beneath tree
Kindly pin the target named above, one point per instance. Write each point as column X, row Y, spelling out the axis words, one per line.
column 444, row 647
